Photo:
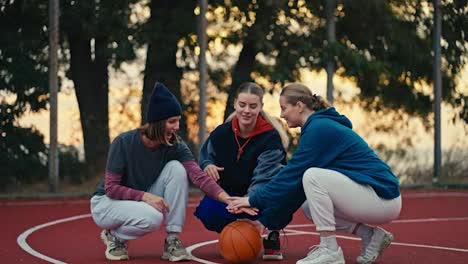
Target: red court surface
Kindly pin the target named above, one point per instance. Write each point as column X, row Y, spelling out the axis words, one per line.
column 432, row 228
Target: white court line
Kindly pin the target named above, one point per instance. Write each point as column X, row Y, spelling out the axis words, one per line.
column 292, row 232
column 295, row 232
column 402, row 221
column 21, row 240
column 195, row 246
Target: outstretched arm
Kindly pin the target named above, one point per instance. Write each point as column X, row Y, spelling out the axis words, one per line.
column 205, row 182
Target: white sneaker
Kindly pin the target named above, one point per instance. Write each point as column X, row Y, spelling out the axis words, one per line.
column 174, row 251
column 115, row 249
column 379, row 241
column 323, row 255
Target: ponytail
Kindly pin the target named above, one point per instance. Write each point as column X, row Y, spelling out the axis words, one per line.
column 296, row 92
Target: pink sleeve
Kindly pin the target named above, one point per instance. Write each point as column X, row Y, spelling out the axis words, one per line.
column 115, row 190
column 202, row 180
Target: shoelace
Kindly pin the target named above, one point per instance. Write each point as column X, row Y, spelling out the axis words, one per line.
column 174, row 244
column 114, row 244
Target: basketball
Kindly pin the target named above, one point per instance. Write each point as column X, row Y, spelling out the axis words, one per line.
column 239, row 242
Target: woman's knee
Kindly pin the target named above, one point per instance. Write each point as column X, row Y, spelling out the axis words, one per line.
column 177, row 167
column 213, row 214
column 312, row 176
column 178, row 172
column 210, row 221
column 150, row 221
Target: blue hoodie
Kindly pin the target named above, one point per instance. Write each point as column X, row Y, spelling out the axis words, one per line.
column 327, row 141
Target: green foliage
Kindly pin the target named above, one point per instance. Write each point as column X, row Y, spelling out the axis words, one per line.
column 23, row 55
column 385, row 46
column 393, row 52
column 24, row 64
column 71, row 168
column 23, row 87
column 24, row 156
column 105, row 21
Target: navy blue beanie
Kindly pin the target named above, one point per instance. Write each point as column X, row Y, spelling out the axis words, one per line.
column 162, row 105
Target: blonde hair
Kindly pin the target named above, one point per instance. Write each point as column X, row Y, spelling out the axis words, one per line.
column 296, row 92
column 156, row 132
column 255, row 89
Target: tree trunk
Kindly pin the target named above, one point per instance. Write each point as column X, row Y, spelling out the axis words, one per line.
column 91, row 87
column 241, row 73
column 155, row 71
column 265, row 17
column 161, row 60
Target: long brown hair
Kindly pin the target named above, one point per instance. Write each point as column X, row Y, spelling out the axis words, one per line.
column 296, row 92
column 255, row 89
column 155, row 132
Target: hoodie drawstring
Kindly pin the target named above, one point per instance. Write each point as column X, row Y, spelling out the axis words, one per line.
column 241, row 148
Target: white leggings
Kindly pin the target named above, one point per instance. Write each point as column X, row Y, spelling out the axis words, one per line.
column 335, row 202
column 132, row 219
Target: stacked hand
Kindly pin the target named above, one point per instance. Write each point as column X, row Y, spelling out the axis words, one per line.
column 156, row 201
column 238, row 205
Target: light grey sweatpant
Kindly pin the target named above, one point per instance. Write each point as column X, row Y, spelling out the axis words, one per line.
column 132, row 219
column 335, row 202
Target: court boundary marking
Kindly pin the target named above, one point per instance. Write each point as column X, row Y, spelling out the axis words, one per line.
column 21, row 239
column 292, row 232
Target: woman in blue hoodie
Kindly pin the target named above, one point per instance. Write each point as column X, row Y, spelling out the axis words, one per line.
column 243, row 154
column 346, row 186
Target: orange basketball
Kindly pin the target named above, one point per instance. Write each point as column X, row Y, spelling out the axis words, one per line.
column 240, row 241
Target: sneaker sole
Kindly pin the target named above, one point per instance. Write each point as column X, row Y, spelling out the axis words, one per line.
column 109, row 256
column 112, row 257
column 335, row 262
column 386, row 242
column 272, row 257
column 176, row 258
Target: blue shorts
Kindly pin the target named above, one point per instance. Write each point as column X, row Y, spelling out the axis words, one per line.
column 214, row 215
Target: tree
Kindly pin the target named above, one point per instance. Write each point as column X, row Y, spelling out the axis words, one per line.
column 259, row 34
column 385, row 46
column 169, row 23
column 23, row 58
column 23, row 88
column 97, row 35
column 254, row 41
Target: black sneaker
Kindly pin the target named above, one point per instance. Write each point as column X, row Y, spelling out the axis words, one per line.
column 272, row 246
